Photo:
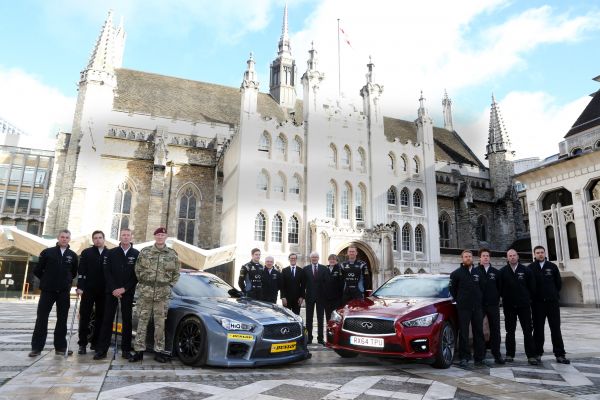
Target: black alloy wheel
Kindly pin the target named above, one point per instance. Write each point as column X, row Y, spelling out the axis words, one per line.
column 190, row 342
column 445, row 351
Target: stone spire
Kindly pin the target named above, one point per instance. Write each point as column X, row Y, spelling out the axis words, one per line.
column 422, row 112
column 311, row 81
column 249, row 89
column 284, row 40
column 447, row 109
column 312, row 58
column 371, row 94
column 498, row 140
column 107, row 53
column 250, row 78
column 283, row 70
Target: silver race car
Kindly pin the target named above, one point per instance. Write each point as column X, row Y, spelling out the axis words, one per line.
column 211, row 323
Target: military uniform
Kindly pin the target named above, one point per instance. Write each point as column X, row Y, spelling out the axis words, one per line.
column 356, row 278
column 251, row 280
column 157, row 271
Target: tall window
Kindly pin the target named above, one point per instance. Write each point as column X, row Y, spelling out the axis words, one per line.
column 332, row 155
column 417, row 165
column 121, row 210
column 294, row 187
column 572, row 241
column 359, row 205
column 404, row 196
column 391, row 162
column 279, row 184
column 550, row 241
column 264, row 143
column 186, row 216
column 276, row 229
column 346, row 157
column 262, row 183
column 419, row 239
column 404, row 163
column 296, row 151
column 395, row 236
column 259, row 227
column 280, row 146
column 345, row 202
column 293, row 230
column 445, row 226
column 418, row 199
column 361, row 160
column 481, row 229
column 406, row 237
column 330, row 211
column 391, row 196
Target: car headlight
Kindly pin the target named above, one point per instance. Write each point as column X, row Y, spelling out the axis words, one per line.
column 233, row 325
column 336, row 317
column 425, row 320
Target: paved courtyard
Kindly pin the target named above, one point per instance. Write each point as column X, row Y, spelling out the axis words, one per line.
column 325, row 376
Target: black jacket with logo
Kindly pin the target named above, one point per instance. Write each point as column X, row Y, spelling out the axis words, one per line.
column 56, row 271
column 90, row 276
column 119, row 270
column 547, row 281
column 271, row 284
column 333, row 284
column 493, row 286
column 466, row 287
column 518, row 287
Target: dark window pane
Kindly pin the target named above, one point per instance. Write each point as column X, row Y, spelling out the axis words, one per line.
column 124, row 222
column 114, row 229
column 192, row 208
column 181, row 230
column 127, row 203
column 117, row 204
column 551, row 243
column 189, row 237
column 183, row 203
column 572, row 241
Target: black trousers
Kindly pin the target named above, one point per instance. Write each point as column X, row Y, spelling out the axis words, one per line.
column 293, row 305
column 256, row 294
column 90, row 301
column 110, row 307
column 493, row 316
column 510, row 325
column 40, row 332
column 310, row 310
column 331, row 305
column 551, row 310
column 351, row 294
column 473, row 317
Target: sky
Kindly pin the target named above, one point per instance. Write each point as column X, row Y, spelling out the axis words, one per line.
column 538, row 58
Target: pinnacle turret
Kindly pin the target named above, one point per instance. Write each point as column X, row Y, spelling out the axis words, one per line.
column 108, row 51
column 447, row 110
column 498, row 140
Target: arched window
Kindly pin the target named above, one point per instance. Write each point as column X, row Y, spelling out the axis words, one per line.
column 280, row 147
column 404, row 163
column 276, row 229
column 332, row 155
column 562, row 196
column 572, row 241
column 293, row 230
column 186, row 215
column 406, row 230
column 345, row 201
column 262, row 182
column 296, row 152
column 264, row 143
column 550, row 241
column 259, row 227
column 597, row 226
column 417, row 199
column 395, row 234
column 330, row 209
column 361, row 161
column 417, row 164
column 391, row 162
column 346, row 157
column 294, row 187
column 391, row 196
column 445, row 228
column 279, row 183
column 404, row 196
column 419, row 239
column 481, row 229
column 121, row 210
column 359, row 203
column 576, row 151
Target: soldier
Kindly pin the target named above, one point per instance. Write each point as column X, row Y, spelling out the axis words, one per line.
column 333, row 288
column 251, row 277
column 56, row 269
column 271, row 280
column 157, row 270
column 90, row 285
column 355, row 274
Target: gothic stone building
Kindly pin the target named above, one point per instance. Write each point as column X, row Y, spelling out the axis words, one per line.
column 222, row 165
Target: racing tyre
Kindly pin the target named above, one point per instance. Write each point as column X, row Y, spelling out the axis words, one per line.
column 446, row 345
column 346, row 353
column 190, row 342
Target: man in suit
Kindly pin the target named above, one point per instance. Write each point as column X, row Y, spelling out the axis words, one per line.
column 292, row 285
column 271, row 281
column 314, row 278
column 333, row 287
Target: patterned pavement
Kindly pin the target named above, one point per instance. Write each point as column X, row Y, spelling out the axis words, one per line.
column 324, row 376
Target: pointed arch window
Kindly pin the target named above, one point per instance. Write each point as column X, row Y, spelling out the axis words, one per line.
column 259, row 227
column 296, row 151
column 330, row 208
column 121, row 210
column 404, row 197
column 279, row 184
column 406, row 237
column 404, row 163
column 445, row 229
column 345, row 201
column 293, row 230
column 395, row 235
column 276, row 229
column 346, row 157
column 264, row 143
column 186, row 216
column 361, row 161
column 391, row 162
column 359, row 203
column 391, row 196
column 332, row 155
column 294, row 187
column 280, row 147
column 262, row 183
column 481, row 229
column 419, row 239
column 417, row 199
column 417, row 164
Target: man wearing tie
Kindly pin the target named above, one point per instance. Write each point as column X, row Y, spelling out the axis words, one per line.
column 271, row 281
column 292, row 285
column 314, row 277
column 333, row 288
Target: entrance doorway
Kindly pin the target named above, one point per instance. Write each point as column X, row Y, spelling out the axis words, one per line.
column 363, row 256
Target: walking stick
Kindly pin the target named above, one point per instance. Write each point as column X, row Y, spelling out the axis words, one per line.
column 72, row 322
column 117, row 327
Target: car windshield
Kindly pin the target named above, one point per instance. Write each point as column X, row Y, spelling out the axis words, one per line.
column 415, row 286
column 196, row 285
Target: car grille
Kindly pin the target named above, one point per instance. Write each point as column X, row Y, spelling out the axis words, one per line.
column 282, row 331
column 369, row 326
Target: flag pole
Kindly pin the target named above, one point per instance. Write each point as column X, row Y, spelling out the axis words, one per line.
column 339, row 63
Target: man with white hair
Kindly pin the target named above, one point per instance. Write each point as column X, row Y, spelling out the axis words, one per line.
column 315, row 278
column 271, row 281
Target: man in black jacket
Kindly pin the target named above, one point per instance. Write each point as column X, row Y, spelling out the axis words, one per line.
column 271, row 281
column 292, row 285
column 119, row 272
column 333, row 286
column 56, row 269
column 518, row 286
column 251, row 276
column 90, row 285
column 545, row 305
column 467, row 284
column 314, row 275
column 491, row 302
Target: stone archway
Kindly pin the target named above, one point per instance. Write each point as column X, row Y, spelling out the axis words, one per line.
column 366, row 254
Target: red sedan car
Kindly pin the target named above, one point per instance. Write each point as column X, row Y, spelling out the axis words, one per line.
column 409, row 317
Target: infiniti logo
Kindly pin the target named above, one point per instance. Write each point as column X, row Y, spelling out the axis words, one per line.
column 366, row 324
column 284, row 330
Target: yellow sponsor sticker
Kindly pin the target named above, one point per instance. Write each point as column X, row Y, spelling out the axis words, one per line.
column 240, row 336
column 281, row 347
column 117, row 327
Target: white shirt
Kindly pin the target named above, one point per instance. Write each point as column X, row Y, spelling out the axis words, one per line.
column 62, row 251
column 542, row 264
column 125, row 250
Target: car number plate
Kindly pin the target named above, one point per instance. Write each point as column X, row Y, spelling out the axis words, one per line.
column 366, row 341
column 281, row 347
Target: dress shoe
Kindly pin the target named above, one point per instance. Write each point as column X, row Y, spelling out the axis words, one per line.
column 463, row 363
column 499, row 360
column 509, row 359
column 126, row 355
column 480, row 363
column 161, row 358
column 309, row 341
column 61, row 352
column 92, row 347
column 100, row 355
column 81, row 350
column 532, row 361
column 137, row 356
column 34, row 353
column 563, row 360
column 539, row 359
column 321, row 341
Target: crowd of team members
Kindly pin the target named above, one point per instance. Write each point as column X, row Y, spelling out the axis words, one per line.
column 526, row 291
column 323, row 288
column 106, row 281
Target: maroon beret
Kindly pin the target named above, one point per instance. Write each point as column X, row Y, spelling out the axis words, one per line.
column 160, row 230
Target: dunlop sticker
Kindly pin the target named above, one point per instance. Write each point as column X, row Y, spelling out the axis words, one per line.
column 281, row 347
column 240, row 336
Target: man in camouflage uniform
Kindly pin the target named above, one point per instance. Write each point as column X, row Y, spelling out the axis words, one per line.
column 157, row 270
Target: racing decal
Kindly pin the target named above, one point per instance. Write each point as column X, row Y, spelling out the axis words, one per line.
column 240, row 336
column 281, row 347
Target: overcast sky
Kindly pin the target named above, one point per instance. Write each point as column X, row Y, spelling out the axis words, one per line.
column 536, row 57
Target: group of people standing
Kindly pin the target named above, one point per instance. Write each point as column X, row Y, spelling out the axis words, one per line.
column 529, row 294
column 107, row 279
column 323, row 287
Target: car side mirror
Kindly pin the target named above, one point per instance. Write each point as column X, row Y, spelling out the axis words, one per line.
column 368, row 292
column 233, row 292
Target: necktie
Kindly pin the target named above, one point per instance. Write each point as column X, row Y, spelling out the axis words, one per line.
column 293, row 272
column 314, row 272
